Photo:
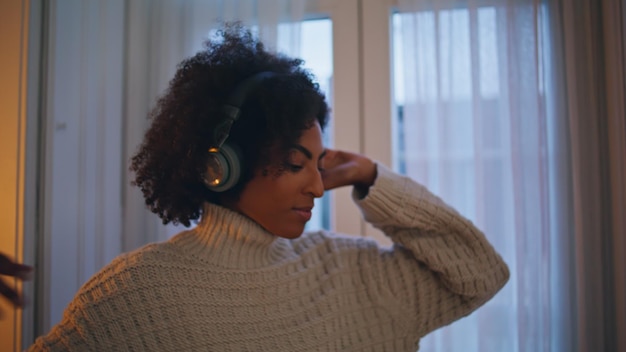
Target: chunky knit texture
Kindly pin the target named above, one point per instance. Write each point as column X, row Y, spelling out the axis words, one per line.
column 228, row 285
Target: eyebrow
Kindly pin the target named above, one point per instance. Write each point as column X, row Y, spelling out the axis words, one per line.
column 307, row 152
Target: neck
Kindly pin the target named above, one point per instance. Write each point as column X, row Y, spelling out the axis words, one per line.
column 227, row 238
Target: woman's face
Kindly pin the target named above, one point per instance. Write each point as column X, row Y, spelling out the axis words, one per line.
column 282, row 204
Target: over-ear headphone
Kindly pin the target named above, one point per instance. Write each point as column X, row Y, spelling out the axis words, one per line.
column 224, row 165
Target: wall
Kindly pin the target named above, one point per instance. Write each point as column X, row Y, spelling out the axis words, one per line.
column 13, row 64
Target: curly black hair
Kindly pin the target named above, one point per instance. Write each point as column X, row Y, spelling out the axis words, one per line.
column 171, row 162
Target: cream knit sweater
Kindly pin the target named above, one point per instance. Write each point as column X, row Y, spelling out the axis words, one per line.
column 228, row 285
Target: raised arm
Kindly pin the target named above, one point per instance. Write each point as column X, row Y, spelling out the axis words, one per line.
column 441, row 267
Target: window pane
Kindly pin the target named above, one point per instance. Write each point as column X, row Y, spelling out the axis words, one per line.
column 452, row 136
column 316, row 51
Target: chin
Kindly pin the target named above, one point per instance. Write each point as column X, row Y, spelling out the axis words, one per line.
column 290, row 234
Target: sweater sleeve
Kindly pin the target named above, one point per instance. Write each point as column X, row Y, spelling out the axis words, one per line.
column 441, row 266
column 86, row 321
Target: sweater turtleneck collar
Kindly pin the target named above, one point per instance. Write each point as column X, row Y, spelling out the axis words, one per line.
column 229, row 239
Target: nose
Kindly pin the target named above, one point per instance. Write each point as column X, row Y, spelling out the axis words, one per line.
column 315, row 186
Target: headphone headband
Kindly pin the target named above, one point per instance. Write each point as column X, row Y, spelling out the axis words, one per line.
column 232, row 109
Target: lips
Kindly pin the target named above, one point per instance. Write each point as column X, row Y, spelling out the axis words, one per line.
column 304, row 213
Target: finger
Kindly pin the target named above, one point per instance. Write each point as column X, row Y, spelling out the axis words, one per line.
column 336, row 177
column 8, row 267
column 331, row 159
column 10, row 294
column 22, row 272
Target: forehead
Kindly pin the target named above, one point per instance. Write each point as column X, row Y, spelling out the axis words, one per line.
column 310, row 142
column 309, row 145
column 312, row 136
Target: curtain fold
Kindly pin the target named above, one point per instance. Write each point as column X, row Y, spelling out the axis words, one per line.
column 614, row 30
column 481, row 98
column 593, row 42
column 81, row 116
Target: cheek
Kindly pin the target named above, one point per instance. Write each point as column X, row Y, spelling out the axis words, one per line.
column 280, row 192
column 266, row 194
column 273, row 192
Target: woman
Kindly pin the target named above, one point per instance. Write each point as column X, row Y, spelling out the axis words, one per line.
column 236, row 142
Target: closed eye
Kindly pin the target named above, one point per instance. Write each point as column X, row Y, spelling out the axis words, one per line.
column 294, row 168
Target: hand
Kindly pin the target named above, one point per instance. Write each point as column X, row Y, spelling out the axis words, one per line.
column 10, row 268
column 345, row 168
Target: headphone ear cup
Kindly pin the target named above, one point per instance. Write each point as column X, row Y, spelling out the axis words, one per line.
column 223, row 169
column 233, row 158
column 224, row 163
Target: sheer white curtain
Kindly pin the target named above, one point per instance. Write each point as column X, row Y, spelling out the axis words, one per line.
column 485, row 128
column 161, row 34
